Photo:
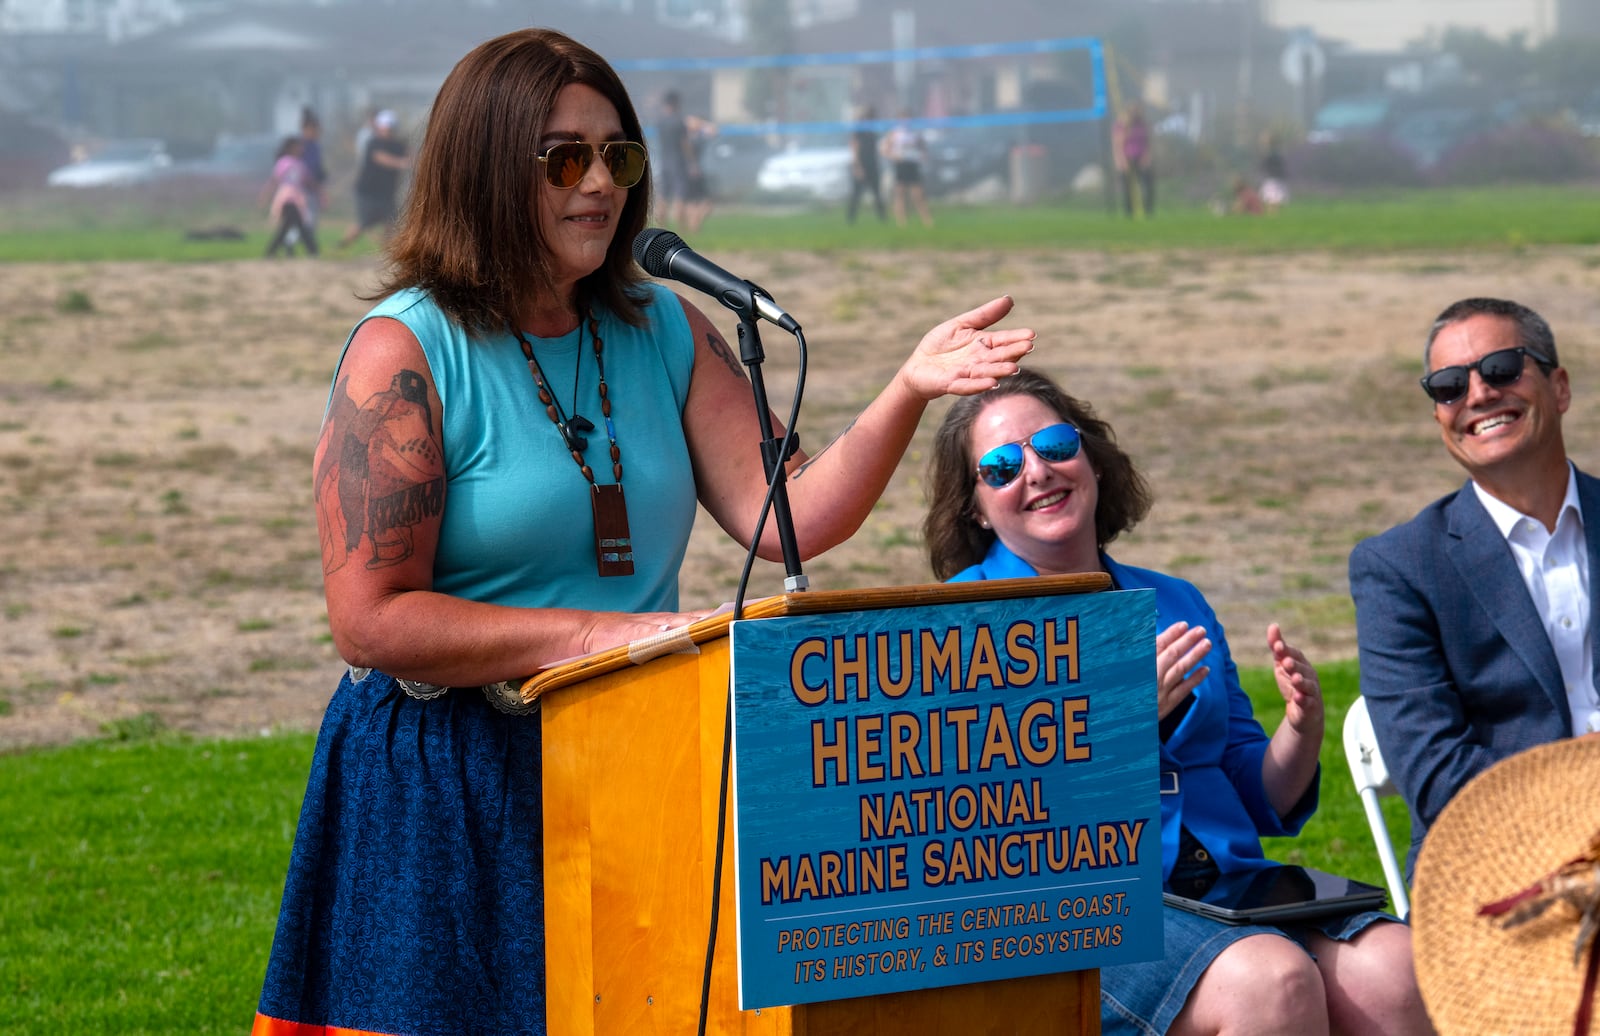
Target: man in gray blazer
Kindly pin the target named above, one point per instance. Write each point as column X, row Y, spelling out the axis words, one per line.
column 1474, row 618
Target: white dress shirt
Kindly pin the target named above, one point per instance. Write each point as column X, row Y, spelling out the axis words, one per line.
column 1555, row 568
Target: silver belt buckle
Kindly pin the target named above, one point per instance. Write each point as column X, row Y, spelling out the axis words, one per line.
column 1169, row 782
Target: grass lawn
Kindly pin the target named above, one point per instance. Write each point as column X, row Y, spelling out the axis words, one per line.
column 143, row 876
column 54, row 227
column 142, row 882
column 1508, row 218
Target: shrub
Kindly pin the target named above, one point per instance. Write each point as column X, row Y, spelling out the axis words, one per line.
column 1529, row 152
column 1354, row 163
column 75, row 300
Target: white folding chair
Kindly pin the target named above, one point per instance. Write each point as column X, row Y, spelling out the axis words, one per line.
column 1372, row 781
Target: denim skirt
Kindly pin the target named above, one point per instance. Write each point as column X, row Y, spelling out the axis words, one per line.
column 414, row 901
column 1144, row 998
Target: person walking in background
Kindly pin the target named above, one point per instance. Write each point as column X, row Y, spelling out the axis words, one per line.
column 1026, row 480
column 316, row 171
column 358, row 144
column 289, row 189
column 865, row 173
column 1475, row 619
column 383, row 159
column 1130, row 153
column 697, row 195
column 679, row 160
column 907, row 149
column 512, row 331
column 672, row 156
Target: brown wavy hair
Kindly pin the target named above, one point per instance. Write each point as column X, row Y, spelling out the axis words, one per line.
column 468, row 233
column 955, row 539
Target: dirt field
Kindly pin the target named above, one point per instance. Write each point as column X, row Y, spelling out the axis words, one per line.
column 159, row 563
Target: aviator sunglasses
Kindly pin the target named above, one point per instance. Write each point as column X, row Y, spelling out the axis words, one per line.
column 1497, row 369
column 1055, row 443
column 566, row 163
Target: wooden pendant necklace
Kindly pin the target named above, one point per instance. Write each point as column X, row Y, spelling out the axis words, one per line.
column 613, row 546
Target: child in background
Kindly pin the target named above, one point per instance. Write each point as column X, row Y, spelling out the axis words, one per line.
column 290, row 200
column 1246, row 199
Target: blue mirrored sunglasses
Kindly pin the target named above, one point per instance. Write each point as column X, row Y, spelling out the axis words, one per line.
column 1055, row 443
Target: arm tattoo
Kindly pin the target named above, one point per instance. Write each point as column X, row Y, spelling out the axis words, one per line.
column 801, row 470
column 380, row 473
column 715, row 343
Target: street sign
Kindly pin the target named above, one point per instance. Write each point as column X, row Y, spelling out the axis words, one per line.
column 1302, row 60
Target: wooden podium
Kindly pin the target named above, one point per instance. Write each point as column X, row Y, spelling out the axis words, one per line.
column 633, row 751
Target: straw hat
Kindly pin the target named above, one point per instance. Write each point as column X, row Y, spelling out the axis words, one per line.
column 1507, row 832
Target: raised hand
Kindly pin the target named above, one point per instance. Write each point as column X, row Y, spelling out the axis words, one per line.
column 962, row 357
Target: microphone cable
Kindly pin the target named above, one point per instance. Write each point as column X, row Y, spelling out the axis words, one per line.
column 727, row 718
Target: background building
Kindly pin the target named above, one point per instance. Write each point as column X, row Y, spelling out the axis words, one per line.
column 1393, row 24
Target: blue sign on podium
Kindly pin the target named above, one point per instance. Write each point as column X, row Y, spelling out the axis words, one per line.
column 933, row 795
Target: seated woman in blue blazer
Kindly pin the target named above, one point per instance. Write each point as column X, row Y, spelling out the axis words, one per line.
column 1025, row 481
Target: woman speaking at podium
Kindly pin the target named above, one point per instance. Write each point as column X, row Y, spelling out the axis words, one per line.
column 1025, row 480
column 515, row 442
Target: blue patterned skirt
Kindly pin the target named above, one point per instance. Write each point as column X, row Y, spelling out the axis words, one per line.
column 414, row 903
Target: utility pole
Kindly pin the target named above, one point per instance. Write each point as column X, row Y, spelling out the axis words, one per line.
column 1242, row 106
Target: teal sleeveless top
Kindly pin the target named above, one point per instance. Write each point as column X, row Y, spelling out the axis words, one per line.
column 518, row 528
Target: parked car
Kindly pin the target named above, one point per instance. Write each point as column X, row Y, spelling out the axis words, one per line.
column 957, row 159
column 964, row 156
column 1344, row 118
column 1585, row 115
column 816, row 172
column 732, row 162
column 1423, row 127
column 115, row 163
column 236, row 156
column 1428, row 134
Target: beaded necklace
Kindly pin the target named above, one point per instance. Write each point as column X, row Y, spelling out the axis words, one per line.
column 613, row 546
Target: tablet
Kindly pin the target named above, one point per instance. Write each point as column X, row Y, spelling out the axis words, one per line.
column 1279, row 893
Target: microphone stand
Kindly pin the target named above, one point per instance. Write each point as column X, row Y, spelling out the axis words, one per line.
column 743, row 302
column 752, row 356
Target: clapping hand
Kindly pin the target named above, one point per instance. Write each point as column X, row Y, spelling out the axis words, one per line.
column 1180, row 649
column 1298, row 683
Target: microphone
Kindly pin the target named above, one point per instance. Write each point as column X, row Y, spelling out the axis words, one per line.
column 664, row 254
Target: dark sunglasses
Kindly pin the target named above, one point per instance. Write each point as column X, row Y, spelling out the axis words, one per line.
column 1055, row 443
column 1497, row 369
column 566, row 163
